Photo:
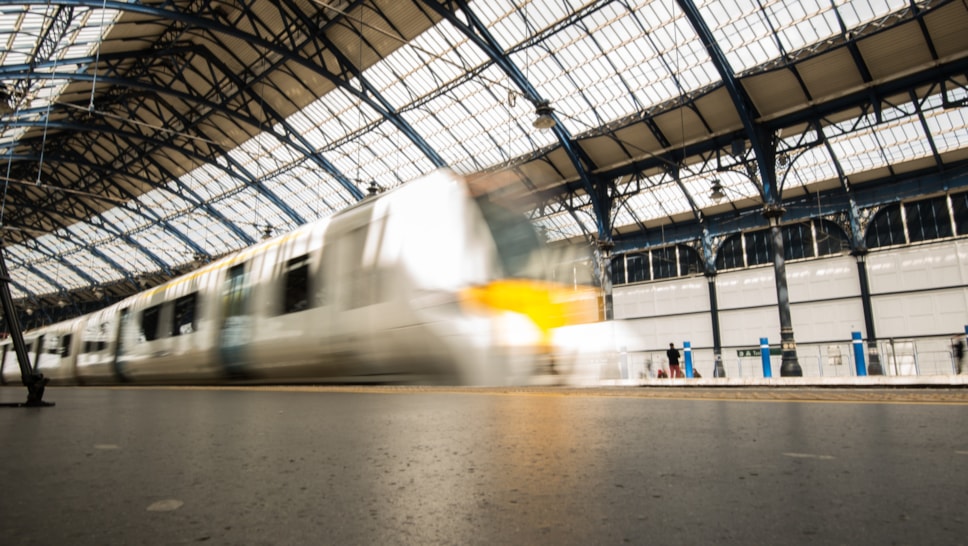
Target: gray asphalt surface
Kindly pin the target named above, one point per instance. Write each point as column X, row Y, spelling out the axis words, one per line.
column 481, row 466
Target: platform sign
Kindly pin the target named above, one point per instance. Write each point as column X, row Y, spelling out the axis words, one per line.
column 754, row 352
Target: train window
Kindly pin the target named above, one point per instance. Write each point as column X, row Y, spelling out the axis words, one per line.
column 514, row 236
column 356, row 279
column 51, row 344
column 183, row 320
column 65, row 346
column 928, row 219
column 150, row 319
column 295, row 285
column 235, row 293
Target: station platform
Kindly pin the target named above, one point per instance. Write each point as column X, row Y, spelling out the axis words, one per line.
column 438, row 465
column 874, row 381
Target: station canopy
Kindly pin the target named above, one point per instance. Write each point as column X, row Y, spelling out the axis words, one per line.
column 141, row 139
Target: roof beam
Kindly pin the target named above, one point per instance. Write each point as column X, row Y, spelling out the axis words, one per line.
column 760, row 137
column 477, row 32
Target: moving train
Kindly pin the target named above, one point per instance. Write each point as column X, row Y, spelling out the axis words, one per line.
column 425, row 283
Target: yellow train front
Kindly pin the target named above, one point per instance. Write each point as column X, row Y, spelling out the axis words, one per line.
column 421, row 284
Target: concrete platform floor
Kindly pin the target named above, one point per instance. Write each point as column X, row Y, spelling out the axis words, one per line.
column 417, row 465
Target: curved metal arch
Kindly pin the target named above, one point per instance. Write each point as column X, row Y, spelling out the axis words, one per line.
column 163, row 265
column 249, row 179
column 145, row 212
column 477, row 32
column 760, row 137
column 192, row 198
column 287, row 55
column 255, row 40
column 291, row 136
column 373, row 97
column 51, row 254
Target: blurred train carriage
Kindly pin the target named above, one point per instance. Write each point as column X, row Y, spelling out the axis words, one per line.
column 423, row 283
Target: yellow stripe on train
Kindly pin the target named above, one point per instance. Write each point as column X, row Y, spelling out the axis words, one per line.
column 549, row 305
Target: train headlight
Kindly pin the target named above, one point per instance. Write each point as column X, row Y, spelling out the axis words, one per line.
column 517, row 330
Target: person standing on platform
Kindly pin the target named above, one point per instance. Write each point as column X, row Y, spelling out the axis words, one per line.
column 673, row 356
column 958, row 351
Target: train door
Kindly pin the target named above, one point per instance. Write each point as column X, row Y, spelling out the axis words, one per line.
column 236, row 326
column 124, row 318
column 37, row 348
column 4, row 349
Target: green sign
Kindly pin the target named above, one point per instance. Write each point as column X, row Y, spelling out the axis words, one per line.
column 748, row 353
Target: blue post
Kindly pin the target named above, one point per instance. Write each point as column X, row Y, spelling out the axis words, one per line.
column 765, row 356
column 687, row 348
column 859, row 364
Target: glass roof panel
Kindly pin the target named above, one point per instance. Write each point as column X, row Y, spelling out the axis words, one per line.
column 83, row 261
column 813, row 165
column 131, row 258
column 164, row 245
column 430, row 62
column 383, row 155
column 597, row 62
column 560, row 225
column 948, row 127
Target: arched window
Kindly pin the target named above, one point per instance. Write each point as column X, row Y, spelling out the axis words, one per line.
column 886, row 228
column 759, row 247
column 618, row 269
column 690, row 263
column 928, row 219
column 959, row 208
column 730, row 255
column 797, row 241
column 664, row 263
column 659, row 263
column 831, row 239
column 637, row 267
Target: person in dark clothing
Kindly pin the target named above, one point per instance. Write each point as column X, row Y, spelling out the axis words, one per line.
column 673, row 355
column 958, row 351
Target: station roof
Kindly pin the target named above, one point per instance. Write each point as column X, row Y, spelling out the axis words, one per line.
column 139, row 140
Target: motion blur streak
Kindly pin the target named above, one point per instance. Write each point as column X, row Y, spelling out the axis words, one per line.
column 431, row 282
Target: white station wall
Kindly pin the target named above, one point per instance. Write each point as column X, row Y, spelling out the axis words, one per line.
column 917, row 291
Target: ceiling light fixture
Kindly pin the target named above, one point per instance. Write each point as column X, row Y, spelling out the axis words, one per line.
column 717, row 194
column 545, row 119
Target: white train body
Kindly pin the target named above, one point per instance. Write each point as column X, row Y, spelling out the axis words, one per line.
column 415, row 285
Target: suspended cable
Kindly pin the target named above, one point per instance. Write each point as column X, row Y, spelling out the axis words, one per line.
column 139, row 123
column 97, row 55
column 427, row 52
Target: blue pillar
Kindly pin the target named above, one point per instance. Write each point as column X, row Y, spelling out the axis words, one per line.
column 687, row 348
column 859, row 363
column 765, row 356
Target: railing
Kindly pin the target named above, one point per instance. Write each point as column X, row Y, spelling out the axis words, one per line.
column 898, row 357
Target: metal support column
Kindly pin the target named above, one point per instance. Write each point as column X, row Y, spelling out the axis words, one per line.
column 605, row 270
column 790, row 366
column 35, row 382
column 718, row 369
column 874, row 366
